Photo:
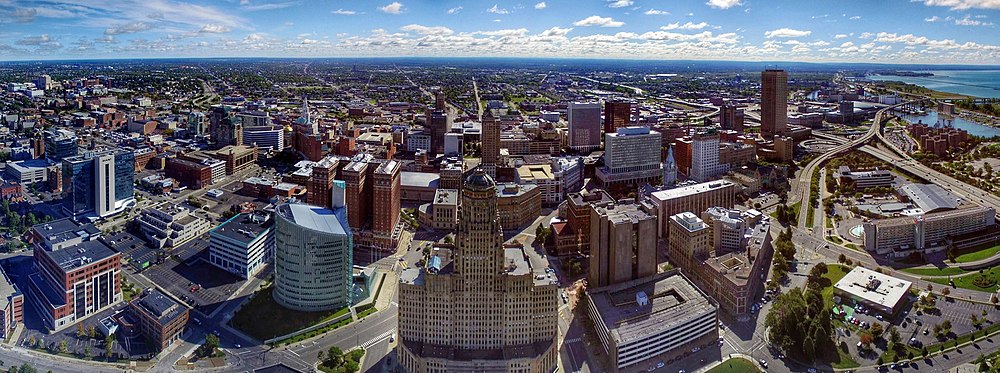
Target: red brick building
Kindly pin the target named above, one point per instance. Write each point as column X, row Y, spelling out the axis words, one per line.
column 11, row 305
column 160, row 319
column 192, row 174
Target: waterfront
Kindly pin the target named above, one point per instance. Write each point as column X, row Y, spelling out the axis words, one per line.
column 978, row 83
column 931, row 118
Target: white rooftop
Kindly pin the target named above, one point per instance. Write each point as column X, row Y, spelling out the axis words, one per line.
column 874, row 287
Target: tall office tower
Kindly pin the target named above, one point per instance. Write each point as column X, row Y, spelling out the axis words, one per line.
column 439, row 101
column 482, row 307
column 584, row 125
column 321, row 181
column 773, row 103
column 313, row 257
column 42, row 81
column 440, row 123
column 622, row 243
column 490, row 143
column 385, row 199
column 705, row 156
column 359, row 197
column 669, row 169
column 631, row 157
column 197, row 123
column 618, row 114
column 731, row 118
column 226, row 130
column 98, row 183
column 60, row 144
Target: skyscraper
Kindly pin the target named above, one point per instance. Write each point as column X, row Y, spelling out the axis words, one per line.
column 226, row 130
column 479, row 308
column 490, row 143
column 584, row 126
column 731, row 118
column 313, row 256
column 773, row 103
column 622, row 243
column 98, row 183
column 618, row 114
column 631, row 157
column 440, row 123
column 705, row 156
column 385, row 198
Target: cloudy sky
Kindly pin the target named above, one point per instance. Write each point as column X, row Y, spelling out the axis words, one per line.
column 890, row 31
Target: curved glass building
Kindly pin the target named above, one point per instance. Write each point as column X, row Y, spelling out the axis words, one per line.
column 313, row 257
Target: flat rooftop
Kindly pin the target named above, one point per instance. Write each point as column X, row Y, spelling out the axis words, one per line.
column 62, row 230
column 684, row 191
column 81, row 254
column 874, row 287
column 673, row 302
column 162, row 307
column 446, row 196
column 419, row 179
column 244, row 227
column 316, row 218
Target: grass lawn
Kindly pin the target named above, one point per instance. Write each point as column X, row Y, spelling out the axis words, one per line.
column 844, row 359
column 967, row 281
column 947, row 271
column 829, row 223
column 835, row 239
column 852, row 246
column 978, row 253
column 810, row 216
column 735, row 365
column 834, row 273
column 263, row 318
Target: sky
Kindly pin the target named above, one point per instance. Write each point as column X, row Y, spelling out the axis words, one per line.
column 883, row 31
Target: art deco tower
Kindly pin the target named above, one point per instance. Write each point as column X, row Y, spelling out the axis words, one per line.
column 469, row 308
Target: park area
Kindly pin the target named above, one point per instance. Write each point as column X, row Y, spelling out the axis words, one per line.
column 735, row 365
column 263, row 318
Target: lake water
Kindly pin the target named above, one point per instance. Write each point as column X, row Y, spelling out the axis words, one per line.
column 973, row 128
column 978, row 83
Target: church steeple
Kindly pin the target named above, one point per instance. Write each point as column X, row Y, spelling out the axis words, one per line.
column 669, row 168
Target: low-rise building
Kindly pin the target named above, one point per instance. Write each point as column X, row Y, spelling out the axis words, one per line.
column 443, row 212
column 877, row 291
column 171, row 225
column 27, row 171
column 661, row 317
column 924, row 234
column 242, row 245
column 160, row 319
column 695, row 197
column 77, row 275
column 859, row 180
column 11, row 305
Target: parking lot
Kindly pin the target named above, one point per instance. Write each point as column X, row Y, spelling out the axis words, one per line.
column 199, row 284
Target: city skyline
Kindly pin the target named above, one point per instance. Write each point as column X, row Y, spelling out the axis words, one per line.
column 925, row 31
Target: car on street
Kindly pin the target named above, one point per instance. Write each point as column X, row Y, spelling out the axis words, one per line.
column 763, row 363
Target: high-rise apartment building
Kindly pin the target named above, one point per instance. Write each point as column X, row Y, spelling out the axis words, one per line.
column 631, row 157
column 242, row 245
column 618, row 114
column 321, row 181
column 440, row 123
column 471, row 309
column 622, row 243
column 490, row 145
column 385, row 199
column 313, row 257
column 225, row 128
column 705, row 156
column 773, row 103
column 355, row 175
column 697, row 197
column 98, row 183
column 584, row 125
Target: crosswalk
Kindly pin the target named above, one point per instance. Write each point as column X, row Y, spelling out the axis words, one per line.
column 379, row 338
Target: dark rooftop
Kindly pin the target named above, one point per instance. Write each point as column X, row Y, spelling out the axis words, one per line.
column 80, row 255
column 161, row 307
column 244, row 227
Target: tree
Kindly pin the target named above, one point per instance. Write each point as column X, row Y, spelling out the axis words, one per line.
column 109, row 345
column 25, row 368
column 62, row 346
column 334, row 356
column 842, row 258
column 894, row 335
column 945, row 291
column 80, row 332
column 866, row 339
column 91, row 332
column 86, row 352
column 876, row 330
column 211, row 345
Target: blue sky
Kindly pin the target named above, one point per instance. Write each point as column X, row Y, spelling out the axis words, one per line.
column 890, row 31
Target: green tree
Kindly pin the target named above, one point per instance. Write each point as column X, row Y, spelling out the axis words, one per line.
column 334, row 356
column 80, row 331
column 109, row 345
column 62, row 346
column 25, row 368
column 876, row 330
column 894, row 336
column 211, row 345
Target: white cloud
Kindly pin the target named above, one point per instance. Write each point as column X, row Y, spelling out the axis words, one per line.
column 620, row 3
column 214, row 29
column 393, row 8
column 932, row 19
column 266, row 6
column 496, row 9
column 344, row 12
column 686, row 26
column 599, row 21
column 969, row 21
column 455, row 10
column 866, row 35
column 128, row 28
column 723, row 4
column 540, row 5
column 253, row 38
column 964, row 4
column 556, row 31
column 427, row 30
column 854, row 18
column 840, row 36
column 309, row 41
column 786, row 33
column 654, row 12
column 705, row 36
